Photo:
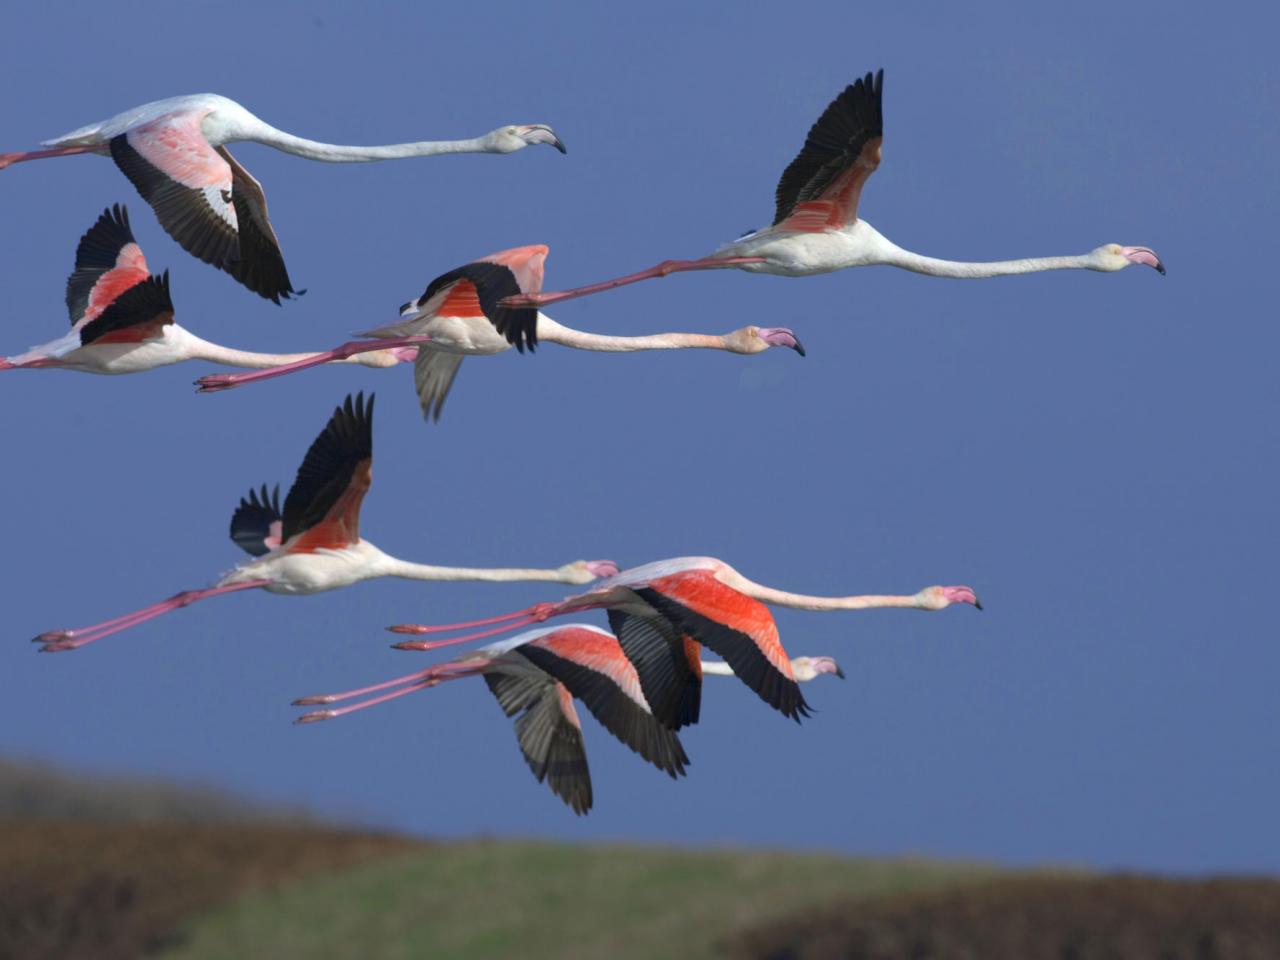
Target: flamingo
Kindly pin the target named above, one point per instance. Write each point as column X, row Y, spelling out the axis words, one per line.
column 661, row 610
column 537, row 675
column 457, row 317
column 174, row 152
column 122, row 316
column 816, row 227
column 314, row 543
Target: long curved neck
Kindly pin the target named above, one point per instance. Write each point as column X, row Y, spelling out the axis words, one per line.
column 216, row 353
column 554, row 332
column 395, row 567
column 961, row 270
column 339, row 153
column 802, row 601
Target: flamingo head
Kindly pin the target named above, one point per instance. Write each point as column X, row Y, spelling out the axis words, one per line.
column 939, row 598
column 515, row 137
column 584, row 571
column 760, row 339
column 807, row 668
column 1111, row 257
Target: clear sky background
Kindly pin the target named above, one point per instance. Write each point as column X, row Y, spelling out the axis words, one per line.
column 1095, row 454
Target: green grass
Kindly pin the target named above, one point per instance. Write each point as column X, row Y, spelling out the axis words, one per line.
column 507, row 899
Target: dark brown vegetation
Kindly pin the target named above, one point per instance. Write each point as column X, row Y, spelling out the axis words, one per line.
column 119, row 890
column 1038, row 918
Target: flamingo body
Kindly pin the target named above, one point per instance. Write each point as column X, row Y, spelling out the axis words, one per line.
column 460, row 315
column 816, row 228
column 122, row 317
column 174, row 152
column 313, row 544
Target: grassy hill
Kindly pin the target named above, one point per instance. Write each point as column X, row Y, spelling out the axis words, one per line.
column 510, row 899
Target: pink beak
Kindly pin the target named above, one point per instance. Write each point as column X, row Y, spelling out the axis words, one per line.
column 961, row 595
column 781, row 337
column 602, row 568
column 1143, row 255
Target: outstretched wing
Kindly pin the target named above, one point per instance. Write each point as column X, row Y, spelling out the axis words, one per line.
column 819, row 190
column 192, row 188
column 672, row 683
column 322, row 509
column 590, row 663
column 433, row 373
column 257, row 524
column 108, row 262
column 476, row 289
column 547, row 728
column 739, row 628
column 137, row 314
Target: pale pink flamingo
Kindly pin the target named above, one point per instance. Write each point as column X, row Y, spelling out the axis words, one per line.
column 314, row 543
column 174, row 152
column 536, row 675
column 122, row 317
column 458, row 317
column 816, row 227
column 658, row 608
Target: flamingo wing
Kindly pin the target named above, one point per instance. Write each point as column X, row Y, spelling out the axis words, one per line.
column 191, row 186
column 820, row 188
column 260, row 264
column 322, row 509
column 547, row 728
column 476, row 289
column 593, row 668
column 433, row 374
column 137, row 314
column 257, row 524
column 671, row 683
column 108, row 262
column 737, row 627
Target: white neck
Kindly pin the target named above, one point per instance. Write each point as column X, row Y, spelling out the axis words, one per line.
column 338, row 153
column 802, row 601
column 198, row 349
column 553, row 332
column 389, row 566
column 894, row 255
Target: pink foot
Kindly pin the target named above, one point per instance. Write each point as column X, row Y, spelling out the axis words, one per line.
column 217, row 381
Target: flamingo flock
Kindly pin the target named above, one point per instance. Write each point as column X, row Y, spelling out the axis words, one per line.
column 641, row 678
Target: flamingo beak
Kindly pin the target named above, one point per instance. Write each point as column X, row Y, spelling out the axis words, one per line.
column 541, row 133
column 1143, row 255
column 781, row 337
column 961, row 595
column 602, row 569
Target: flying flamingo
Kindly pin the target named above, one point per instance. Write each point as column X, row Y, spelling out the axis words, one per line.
column 314, row 544
column 658, row 608
column 816, row 227
column 536, row 675
column 458, row 316
column 122, row 316
column 174, row 152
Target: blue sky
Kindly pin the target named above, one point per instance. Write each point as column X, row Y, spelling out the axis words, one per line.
column 1095, row 454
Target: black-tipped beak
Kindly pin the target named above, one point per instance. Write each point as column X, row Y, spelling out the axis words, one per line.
column 977, row 604
column 559, row 145
column 1160, row 267
column 839, row 671
column 799, row 347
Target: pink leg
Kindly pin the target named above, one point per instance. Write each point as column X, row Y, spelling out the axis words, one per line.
column 8, row 159
column 57, row 640
column 225, row 381
column 417, row 628
column 465, row 638
column 429, row 678
column 439, row 672
column 661, row 270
